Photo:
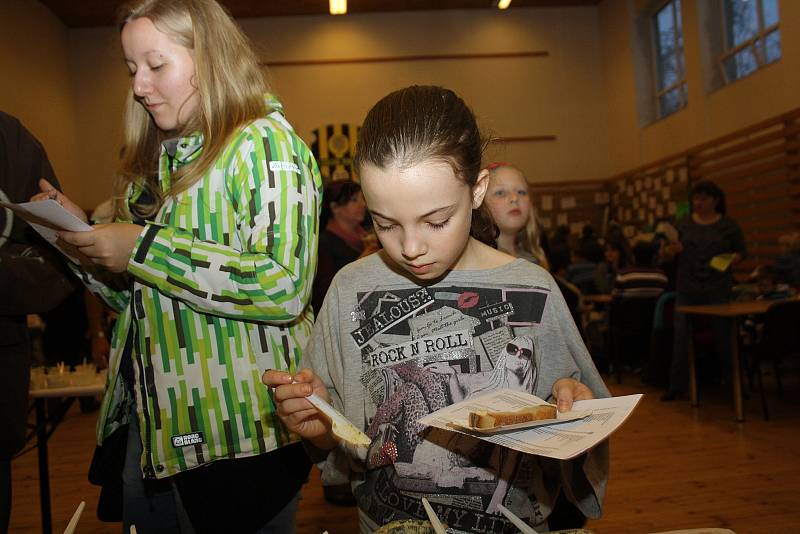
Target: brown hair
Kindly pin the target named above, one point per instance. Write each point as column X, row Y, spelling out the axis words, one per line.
column 230, row 86
column 710, row 189
column 340, row 193
column 423, row 123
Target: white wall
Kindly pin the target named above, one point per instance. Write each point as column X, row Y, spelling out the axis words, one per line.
column 512, row 97
column 35, row 87
column 69, row 85
column 766, row 93
column 554, row 95
column 100, row 81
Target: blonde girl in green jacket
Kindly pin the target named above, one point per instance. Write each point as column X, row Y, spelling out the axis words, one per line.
column 210, row 265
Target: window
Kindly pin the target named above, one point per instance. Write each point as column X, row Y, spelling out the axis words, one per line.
column 669, row 62
column 752, row 37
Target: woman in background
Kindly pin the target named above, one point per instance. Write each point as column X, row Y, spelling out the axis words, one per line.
column 341, row 239
column 704, row 234
column 616, row 256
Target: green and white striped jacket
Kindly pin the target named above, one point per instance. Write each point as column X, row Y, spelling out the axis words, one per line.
column 221, row 285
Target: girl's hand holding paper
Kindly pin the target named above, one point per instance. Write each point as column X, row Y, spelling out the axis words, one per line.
column 568, row 390
column 48, row 191
column 107, row 245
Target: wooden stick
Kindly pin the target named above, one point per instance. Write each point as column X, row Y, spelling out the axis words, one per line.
column 75, row 518
column 434, row 519
column 519, row 523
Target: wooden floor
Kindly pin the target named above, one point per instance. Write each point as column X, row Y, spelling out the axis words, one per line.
column 672, row 467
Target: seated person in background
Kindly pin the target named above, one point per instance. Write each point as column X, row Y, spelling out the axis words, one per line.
column 767, row 288
column 616, row 256
column 636, row 290
column 341, row 240
column 560, row 237
column 559, row 263
column 585, row 258
column 642, row 279
column 787, row 264
column 665, row 236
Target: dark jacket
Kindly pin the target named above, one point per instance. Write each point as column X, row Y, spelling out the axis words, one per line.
column 32, row 276
column 334, row 253
column 701, row 242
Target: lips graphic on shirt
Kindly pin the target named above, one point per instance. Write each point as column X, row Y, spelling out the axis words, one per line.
column 468, row 299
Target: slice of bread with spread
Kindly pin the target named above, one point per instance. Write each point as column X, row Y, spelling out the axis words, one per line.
column 492, row 419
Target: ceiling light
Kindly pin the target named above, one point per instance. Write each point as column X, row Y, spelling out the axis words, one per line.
column 501, row 4
column 337, row 7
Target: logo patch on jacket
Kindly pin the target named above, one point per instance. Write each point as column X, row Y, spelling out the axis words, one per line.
column 288, row 166
column 184, row 440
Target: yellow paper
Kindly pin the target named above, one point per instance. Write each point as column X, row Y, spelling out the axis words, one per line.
column 721, row 262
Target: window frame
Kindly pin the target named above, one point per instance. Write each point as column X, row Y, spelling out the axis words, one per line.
column 680, row 84
column 759, row 52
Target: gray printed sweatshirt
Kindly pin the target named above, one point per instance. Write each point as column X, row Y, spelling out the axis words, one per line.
column 391, row 351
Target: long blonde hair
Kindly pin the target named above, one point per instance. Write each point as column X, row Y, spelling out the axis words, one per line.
column 529, row 237
column 230, row 87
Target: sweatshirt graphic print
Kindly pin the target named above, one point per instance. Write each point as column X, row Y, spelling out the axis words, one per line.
column 423, row 349
column 392, row 351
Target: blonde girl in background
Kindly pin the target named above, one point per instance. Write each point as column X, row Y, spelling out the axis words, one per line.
column 509, row 201
column 212, row 259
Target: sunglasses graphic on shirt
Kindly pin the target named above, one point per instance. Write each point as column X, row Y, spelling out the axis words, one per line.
column 514, row 350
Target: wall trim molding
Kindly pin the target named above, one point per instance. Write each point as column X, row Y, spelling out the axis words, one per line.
column 524, row 139
column 396, row 59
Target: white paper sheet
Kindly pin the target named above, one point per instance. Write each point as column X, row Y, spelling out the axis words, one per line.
column 48, row 217
column 562, row 441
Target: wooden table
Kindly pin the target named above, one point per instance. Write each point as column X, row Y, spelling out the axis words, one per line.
column 732, row 310
column 39, row 396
